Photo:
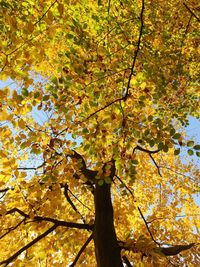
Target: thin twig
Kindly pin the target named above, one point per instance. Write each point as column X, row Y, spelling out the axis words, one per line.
column 145, row 150
column 158, row 168
column 178, row 173
column 128, row 189
column 5, row 190
column 66, row 189
column 106, row 76
column 191, row 12
column 81, row 250
column 137, row 49
column 148, row 227
column 178, row 216
column 78, row 200
column 102, row 108
column 44, row 14
column 31, row 168
column 12, row 228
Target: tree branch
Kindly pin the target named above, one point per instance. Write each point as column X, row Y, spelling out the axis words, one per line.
column 12, row 228
column 55, row 221
column 79, row 200
column 158, row 168
column 5, row 190
column 102, row 108
column 146, row 150
column 15, row 255
column 150, row 152
column 64, row 223
column 174, row 250
column 31, row 168
column 191, row 12
column 137, row 49
column 81, row 250
column 43, row 15
column 66, row 189
column 148, row 227
column 128, row 189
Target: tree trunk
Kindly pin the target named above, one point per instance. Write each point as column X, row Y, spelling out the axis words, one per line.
column 106, row 247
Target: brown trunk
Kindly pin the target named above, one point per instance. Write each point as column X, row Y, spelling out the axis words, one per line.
column 106, row 248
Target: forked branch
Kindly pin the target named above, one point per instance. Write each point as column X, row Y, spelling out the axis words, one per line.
column 191, row 12
column 48, row 219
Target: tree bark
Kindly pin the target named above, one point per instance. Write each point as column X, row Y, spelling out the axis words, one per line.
column 107, row 250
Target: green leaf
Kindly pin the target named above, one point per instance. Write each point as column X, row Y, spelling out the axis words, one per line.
column 108, row 180
column 150, row 118
column 146, row 132
column 45, row 98
column 190, row 143
column 165, row 148
column 36, row 94
column 36, row 151
column 176, row 136
column 160, row 145
column 198, row 154
column 23, row 145
column 25, row 92
column 86, row 147
column 134, row 162
column 172, row 131
column 152, row 143
column 99, row 3
column 177, row 151
column 197, row 147
column 190, row 152
column 142, row 98
column 100, row 182
column 55, row 95
column 85, row 131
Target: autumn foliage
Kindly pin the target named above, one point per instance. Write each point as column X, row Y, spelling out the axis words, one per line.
column 96, row 166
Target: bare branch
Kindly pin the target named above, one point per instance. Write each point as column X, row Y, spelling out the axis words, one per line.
column 44, row 14
column 6, row 189
column 128, row 189
column 102, row 108
column 148, row 227
column 31, row 168
column 146, row 223
column 12, row 228
column 191, row 12
column 174, row 250
column 158, row 168
column 18, row 211
column 137, row 49
column 150, row 152
column 79, row 200
column 81, row 250
column 55, row 221
column 176, row 172
column 146, row 150
column 66, row 189
column 30, row 244
column 64, row 223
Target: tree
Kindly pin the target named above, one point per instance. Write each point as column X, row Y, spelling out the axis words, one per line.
column 91, row 133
